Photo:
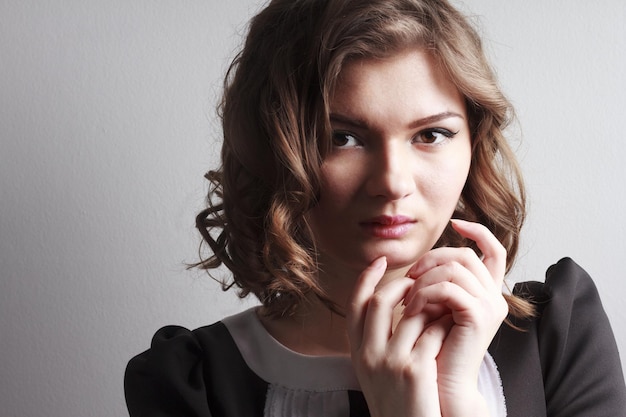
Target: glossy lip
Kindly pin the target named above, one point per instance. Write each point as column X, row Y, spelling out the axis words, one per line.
column 388, row 227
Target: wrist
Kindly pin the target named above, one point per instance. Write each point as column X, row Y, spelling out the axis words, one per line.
column 464, row 404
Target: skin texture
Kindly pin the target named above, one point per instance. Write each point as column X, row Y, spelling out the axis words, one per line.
column 419, row 320
column 425, row 363
column 380, row 109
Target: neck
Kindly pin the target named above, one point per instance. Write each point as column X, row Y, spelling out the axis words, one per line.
column 315, row 329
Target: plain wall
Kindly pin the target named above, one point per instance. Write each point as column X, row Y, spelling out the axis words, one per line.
column 107, row 125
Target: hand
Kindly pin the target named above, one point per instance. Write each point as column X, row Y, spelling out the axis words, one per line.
column 457, row 280
column 397, row 368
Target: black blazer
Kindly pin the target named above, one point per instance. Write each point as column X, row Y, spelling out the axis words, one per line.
column 563, row 363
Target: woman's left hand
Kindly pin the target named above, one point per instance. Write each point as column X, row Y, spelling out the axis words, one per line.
column 457, row 281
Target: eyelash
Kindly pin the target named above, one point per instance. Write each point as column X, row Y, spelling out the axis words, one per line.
column 447, row 134
column 343, row 135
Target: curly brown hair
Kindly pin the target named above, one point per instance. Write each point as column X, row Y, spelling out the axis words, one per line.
column 275, row 118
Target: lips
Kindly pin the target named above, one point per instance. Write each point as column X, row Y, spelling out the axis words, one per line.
column 388, row 227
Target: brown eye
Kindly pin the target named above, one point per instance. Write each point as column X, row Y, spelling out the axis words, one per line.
column 434, row 136
column 344, row 140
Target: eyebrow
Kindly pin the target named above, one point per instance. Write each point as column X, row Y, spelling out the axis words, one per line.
column 359, row 123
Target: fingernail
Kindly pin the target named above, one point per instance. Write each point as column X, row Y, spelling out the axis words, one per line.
column 380, row 263
column 405, row 302
column 456, row 223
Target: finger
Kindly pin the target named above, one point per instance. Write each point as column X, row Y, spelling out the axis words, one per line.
column 465, row 257
column 459, row 301
column 406, row 333
column 452, row 272
column 434, row 311
column 409, row 327
column 494, row 254
column 357, row 304
column 431, row 340
column 379, row 317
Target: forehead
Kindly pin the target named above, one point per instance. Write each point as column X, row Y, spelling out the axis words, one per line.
column 411, row 78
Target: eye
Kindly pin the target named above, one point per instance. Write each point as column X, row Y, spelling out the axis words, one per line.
column 434, row 136
column 345, row 140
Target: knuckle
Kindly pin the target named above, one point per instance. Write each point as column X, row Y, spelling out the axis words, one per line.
column 446, row 287
column 499, row 249
column 389, row 362
column 408, row 371
column 365, row 361
column 377, row 301
column 454, row 268
column 402, row 367
column 431, row 331
column 496, row 309
column 467, row 253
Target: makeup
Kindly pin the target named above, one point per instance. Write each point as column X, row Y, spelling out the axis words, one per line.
column 388, row 227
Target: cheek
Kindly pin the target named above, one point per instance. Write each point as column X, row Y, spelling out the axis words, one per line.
column 339, row 182
column 332, row 197
column 445, row 183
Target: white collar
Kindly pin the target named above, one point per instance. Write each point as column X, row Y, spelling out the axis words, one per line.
column 277, row 364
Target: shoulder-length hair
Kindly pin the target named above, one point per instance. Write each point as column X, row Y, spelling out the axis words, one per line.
column 275, row 119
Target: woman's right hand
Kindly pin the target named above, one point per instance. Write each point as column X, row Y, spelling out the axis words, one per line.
column 396, row 367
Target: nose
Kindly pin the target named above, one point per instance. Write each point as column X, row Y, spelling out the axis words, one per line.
column 391, row 172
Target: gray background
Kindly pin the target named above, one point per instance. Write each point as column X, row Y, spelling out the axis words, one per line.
column 107, row 126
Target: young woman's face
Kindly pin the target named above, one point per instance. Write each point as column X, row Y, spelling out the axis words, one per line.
column 400, row 158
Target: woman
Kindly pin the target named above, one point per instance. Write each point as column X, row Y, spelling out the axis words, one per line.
column 354, row 131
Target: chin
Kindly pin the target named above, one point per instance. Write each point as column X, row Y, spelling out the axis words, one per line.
column 404, row 262
column 398, row 257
